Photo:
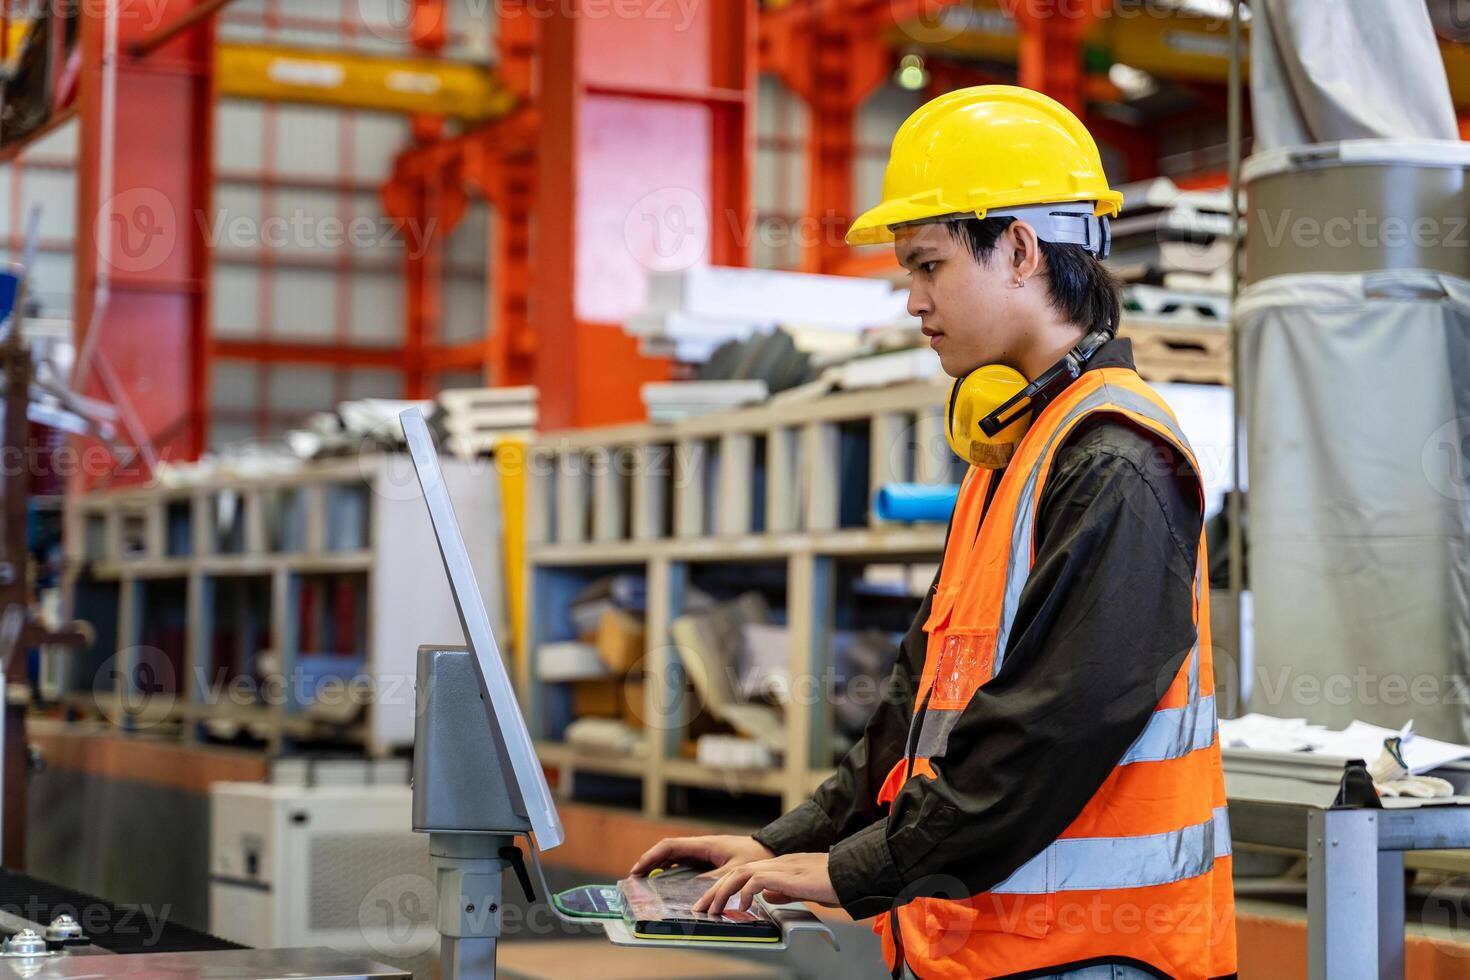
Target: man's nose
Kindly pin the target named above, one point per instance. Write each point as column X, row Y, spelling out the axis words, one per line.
column 919, row 304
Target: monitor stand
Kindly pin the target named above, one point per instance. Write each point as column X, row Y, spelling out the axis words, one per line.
column 465, row 798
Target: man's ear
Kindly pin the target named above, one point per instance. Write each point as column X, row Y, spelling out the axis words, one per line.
column 1025, row 251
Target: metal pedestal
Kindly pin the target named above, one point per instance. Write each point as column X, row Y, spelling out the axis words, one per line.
column 468, row 873
column 462, row 798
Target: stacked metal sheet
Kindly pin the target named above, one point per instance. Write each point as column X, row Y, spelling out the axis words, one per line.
column 693, row 311
column 1174, row 239
column 670, row 401
column 475, row 419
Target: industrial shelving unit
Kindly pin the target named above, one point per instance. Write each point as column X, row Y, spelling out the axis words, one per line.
column 332, row 568
column 788, row 485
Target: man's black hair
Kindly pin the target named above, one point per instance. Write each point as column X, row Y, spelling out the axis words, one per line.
column 1082, row 289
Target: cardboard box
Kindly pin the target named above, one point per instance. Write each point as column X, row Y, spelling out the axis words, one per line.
column 621, row 640
column 631, row 695
column 612, row 698
column 597, row 699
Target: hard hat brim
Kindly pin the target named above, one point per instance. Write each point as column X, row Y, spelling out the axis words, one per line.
column 875, row 225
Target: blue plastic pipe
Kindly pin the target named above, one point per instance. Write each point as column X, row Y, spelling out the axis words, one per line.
column 915, row 502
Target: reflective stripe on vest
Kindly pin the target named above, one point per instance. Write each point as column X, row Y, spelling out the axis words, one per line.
column 1093, row 863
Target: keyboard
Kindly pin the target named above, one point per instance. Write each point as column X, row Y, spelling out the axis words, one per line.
column 662, row 907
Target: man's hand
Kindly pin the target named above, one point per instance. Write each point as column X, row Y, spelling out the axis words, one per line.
column 725, row 852
column 788, row 878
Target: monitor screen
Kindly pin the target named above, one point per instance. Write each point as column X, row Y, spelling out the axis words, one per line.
column 506, row 720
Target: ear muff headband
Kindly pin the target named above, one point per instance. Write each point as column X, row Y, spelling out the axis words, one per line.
column 1059, row 375
column 989, row 440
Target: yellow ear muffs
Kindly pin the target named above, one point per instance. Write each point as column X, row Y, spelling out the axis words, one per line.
column 973, row 397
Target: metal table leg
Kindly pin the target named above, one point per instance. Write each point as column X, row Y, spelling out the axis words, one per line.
column 1391, row 915
column 1343, row 905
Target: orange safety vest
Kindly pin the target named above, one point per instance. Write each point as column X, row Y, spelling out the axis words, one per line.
column 1143, row 873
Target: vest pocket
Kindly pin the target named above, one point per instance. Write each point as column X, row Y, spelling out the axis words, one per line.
column 964, row 658
column 937, row 929
column 1018, row 915
column 1025, row 903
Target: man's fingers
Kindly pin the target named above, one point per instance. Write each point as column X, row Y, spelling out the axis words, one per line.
column 718, row 896
column 651, row 857
column 669, row 849
column 752, row 888
column 709, row 892
column 706, row 901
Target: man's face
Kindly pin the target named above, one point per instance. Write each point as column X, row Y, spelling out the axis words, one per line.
column 968, row 309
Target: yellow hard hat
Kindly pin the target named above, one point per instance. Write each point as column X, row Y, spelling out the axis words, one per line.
column 987, row 149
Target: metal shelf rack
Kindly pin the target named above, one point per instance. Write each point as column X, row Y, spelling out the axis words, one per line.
column 788, row 485
column 235, row 554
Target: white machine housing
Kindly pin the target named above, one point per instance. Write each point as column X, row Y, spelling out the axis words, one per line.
column 298, row 866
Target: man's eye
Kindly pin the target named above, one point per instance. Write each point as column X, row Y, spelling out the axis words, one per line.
column 928, row 267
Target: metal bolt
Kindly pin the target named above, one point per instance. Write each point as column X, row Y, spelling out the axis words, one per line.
column 494, row 908
column 63, row 928
column 27, row 942
column 469, row 908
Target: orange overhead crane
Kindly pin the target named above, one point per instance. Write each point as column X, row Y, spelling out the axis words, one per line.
column 622, row 134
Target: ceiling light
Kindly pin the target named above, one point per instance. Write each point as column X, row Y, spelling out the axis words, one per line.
column 911, row 74
column 1134, row 83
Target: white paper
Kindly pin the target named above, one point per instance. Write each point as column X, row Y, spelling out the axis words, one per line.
column 1359, row 740
column 1257, row 731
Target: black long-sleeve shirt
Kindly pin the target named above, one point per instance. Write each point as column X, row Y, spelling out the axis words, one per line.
column 1104, row 622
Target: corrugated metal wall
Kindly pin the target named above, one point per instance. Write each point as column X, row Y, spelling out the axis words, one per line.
column 779, row 185
column 877, row 121
column 46, row 177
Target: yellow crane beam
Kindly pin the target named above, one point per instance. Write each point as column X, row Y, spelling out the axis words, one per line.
column 346, row 80
column 349, row 80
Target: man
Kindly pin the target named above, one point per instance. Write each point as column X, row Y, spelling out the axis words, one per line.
column 1040, row 791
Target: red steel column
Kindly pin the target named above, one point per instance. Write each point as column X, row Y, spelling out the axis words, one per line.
column 1051, row 46
column 143, row 193
column 423, row 266
column 644, row 114
column 507, row 172
column 834, row 57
